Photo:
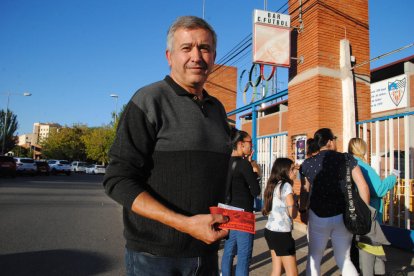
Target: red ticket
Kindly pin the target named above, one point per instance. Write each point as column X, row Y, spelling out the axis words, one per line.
column 239, row 220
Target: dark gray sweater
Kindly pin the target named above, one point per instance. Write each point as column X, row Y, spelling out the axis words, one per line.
column 177, row 148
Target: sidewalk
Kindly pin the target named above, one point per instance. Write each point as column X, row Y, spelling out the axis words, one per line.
column 261, row 265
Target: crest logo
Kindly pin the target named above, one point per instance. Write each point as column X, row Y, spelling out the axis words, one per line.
column 396, row 90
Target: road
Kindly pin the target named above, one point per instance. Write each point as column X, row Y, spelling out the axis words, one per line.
column 59, row 225
column 66, row 225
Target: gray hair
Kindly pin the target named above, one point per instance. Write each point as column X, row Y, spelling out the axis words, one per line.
column 189, row 22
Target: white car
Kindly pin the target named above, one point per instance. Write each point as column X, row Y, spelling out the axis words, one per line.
column 25, row 165
column 95, row 169
column 59, row 166
column 78, row 166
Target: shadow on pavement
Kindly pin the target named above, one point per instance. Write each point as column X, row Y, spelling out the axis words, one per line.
column 260, row 260
column 54, row 262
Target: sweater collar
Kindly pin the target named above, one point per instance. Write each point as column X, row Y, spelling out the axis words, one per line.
column 180, row 91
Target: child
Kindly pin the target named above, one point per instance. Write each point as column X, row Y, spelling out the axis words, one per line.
column 281, row 207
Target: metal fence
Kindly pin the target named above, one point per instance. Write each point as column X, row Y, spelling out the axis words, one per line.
column 390, row 142
column 268, row 149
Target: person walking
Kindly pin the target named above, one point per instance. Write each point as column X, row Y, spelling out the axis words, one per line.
column 244, row 187
column 280, row 205
column 378, row 187
column 324, row 177
column 372, row 254
column 168, row 163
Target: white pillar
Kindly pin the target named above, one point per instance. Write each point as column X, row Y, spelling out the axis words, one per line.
column 407, row 188
column 348, row 91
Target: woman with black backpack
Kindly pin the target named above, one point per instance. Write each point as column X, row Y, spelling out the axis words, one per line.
column 323, row 175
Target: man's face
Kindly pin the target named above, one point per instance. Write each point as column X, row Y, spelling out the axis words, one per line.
column 191, row 58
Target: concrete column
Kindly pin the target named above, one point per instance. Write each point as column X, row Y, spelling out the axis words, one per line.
column 348, row 92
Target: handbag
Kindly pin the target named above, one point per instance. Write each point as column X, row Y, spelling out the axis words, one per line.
column 357, row 216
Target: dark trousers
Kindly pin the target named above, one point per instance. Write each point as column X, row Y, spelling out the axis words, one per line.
column 145, row 264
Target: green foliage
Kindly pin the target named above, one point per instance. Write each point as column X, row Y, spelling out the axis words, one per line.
column 11, row 126
column 22, row 152
column 65, row 143
column 98, row 141
column 115, row 119
column 81, row 143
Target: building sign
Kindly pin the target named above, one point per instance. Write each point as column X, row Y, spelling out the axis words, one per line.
column 389, row 94
column 271, row 38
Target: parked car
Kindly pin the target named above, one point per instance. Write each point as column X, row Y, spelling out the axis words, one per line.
column 25, row 165
column 42, row 167
column 78, row 166
column 59, row 166
column 7, row 166
column 95, row 169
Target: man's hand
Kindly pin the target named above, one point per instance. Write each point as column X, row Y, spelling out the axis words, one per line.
column 205, row 227
column 202, row 227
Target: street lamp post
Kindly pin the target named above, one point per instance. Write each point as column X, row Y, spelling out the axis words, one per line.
column 5, row 117
column 116, row 104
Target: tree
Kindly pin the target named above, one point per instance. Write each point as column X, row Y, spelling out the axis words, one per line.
column 115, row 119
column 98, row 141
column 9, row 123
column 65, row 143
column 22, row 151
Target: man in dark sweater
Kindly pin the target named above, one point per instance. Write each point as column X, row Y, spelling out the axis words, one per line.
column 169, row 161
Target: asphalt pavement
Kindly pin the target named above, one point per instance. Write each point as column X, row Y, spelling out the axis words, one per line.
column 66, row 225
column 59, row 225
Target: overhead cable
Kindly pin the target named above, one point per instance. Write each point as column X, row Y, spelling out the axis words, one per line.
column 235, row 48
column 383, row 55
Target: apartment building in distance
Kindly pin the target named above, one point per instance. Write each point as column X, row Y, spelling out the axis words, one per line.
column 42, row 130
column 32, row 140
column 25, row 139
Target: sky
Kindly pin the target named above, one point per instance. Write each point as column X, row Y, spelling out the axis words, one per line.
column 72, row 54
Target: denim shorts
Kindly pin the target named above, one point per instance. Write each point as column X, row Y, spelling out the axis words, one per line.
column 142, row 263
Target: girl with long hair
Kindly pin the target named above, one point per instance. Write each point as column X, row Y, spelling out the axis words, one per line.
column 372, row 255
column 378, row 187
column 281, row 207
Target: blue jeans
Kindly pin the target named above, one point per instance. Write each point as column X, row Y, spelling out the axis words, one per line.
column 145, row 264
column 240, row 243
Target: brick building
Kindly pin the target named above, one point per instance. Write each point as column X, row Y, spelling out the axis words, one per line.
column 222, row 84
column 332, row 88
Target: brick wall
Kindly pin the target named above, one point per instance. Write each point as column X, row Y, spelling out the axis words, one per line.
column 222, row 84
column 315, row 87
column 315, row 92
column 271, row 124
